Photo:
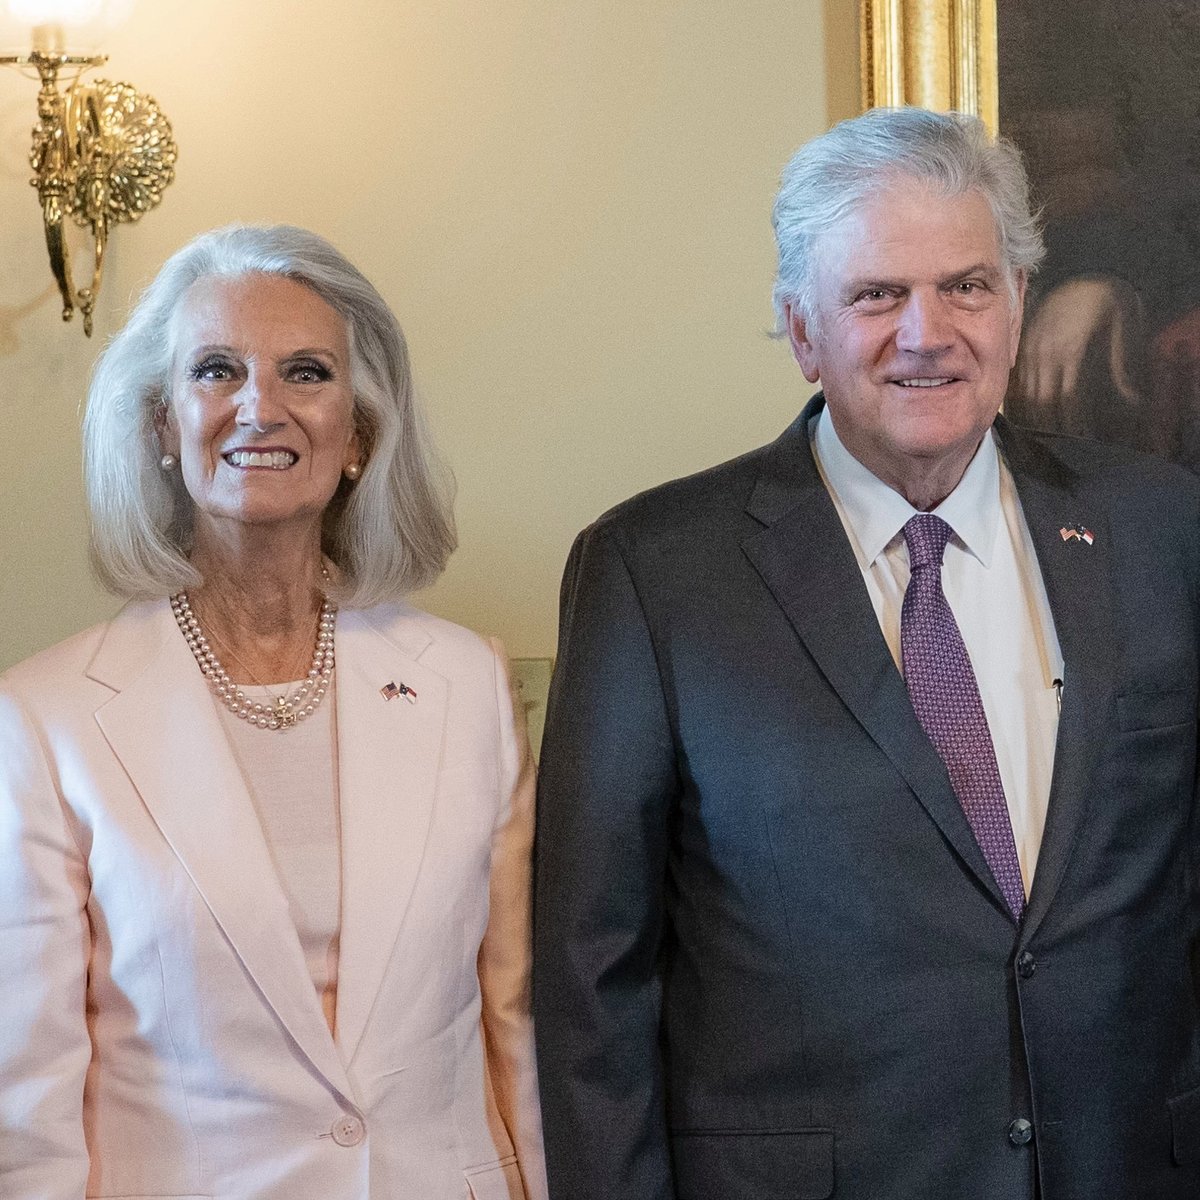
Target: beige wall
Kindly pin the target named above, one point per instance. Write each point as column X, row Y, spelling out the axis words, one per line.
column 565, row 201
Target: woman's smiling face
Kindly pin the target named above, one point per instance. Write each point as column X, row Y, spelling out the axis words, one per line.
column 261, row 412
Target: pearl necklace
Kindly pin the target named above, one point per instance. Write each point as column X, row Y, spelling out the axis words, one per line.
column 286, row 710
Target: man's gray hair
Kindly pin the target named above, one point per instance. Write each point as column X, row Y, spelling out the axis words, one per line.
column 831, row 176
column 389, row 533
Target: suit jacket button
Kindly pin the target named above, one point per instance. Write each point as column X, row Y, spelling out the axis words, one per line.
column 348, row 1130
column 1020, row 1132
column 1026, row 965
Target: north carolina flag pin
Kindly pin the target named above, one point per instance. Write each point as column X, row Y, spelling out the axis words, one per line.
column 390, row 691
column 1079, row 533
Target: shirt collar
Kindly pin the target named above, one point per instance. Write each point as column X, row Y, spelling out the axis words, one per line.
column 877, row 513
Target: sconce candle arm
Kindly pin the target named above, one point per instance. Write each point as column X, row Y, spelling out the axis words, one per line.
column 42, row 60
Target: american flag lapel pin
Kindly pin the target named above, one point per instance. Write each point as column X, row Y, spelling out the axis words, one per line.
column 1077, row 533
column 390, row 691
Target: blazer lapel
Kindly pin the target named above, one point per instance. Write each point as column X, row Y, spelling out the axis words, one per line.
column 832, row 613
column 1079, row 586
column 389, row 752
column 163, row 726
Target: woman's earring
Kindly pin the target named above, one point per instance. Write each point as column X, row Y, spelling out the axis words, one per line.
column 168, row 462
column 352, row 471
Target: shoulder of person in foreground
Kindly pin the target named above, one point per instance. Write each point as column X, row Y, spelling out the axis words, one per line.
column 696, row 500
column 434, row 639
column 1093, row 458
column 52, row 676
column 1131, row 484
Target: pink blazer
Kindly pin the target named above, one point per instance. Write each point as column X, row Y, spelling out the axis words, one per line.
column 161, row 1036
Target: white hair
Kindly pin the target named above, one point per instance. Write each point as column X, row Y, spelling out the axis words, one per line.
column 830, row 177
column 389, row 533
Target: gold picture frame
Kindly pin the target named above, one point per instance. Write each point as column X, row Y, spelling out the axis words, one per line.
column 938, row 54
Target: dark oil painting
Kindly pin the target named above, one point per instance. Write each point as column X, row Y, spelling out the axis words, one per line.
column 1103, row 97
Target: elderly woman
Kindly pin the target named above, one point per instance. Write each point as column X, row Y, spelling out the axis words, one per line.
column 264, row 836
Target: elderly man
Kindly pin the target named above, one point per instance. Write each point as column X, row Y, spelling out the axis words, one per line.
column 868, row 834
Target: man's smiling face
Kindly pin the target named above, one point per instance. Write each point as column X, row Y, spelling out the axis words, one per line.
column 914, row 333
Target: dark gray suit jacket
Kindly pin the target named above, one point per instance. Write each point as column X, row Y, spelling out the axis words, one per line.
column 771, row 963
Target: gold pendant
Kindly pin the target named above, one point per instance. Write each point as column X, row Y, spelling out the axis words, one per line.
column 284, row 713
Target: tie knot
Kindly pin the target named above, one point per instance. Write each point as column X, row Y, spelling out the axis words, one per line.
column 926, row 536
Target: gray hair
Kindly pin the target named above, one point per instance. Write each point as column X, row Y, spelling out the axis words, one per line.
column 831, row 176
column 390, row 533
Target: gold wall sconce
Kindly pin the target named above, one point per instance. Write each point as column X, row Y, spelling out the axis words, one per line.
column 102, row 151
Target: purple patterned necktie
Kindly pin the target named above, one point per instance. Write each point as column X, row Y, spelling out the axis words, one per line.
column 945, row 697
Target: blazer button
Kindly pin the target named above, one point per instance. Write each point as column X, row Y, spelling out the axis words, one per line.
column 1020, row 1132
column 348, row 1130
column 1026, row 965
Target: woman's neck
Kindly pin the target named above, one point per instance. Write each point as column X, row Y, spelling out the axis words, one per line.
column 259, row 607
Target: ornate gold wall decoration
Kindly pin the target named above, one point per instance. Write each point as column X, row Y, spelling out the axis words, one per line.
column 939, row 54
column 102, row 154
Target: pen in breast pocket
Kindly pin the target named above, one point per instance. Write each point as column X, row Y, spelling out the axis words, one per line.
column 1057, row 684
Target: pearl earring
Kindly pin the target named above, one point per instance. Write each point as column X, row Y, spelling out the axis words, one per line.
column 352, row 471
column 168, row 462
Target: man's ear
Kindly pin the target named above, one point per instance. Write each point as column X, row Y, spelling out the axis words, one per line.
column 803, row 341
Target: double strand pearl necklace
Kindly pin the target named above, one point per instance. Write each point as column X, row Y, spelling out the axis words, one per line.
column 286, row 710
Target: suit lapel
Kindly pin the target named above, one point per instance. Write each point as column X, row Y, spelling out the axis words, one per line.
column 163, row 726
column 389, row 753
column 1078, row 581
column 832, row 613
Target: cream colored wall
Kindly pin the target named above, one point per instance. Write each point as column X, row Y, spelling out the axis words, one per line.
column 565, row 201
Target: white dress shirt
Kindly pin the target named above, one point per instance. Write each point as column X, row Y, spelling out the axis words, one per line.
column 994, row 587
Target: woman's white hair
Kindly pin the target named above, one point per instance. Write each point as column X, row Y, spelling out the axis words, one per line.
column 831, row 176
column 390, row 533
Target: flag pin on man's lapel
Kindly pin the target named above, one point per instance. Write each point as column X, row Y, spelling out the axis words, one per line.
column 1078, row 533
column 390, row 691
